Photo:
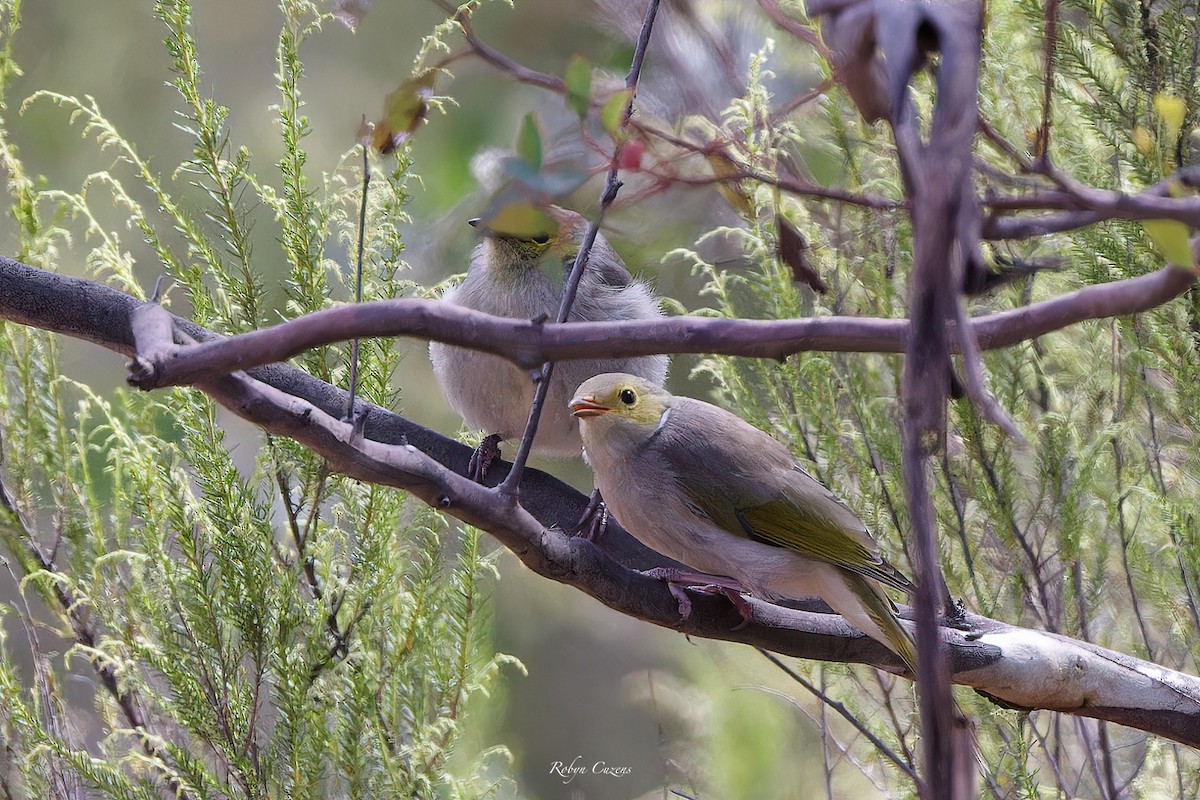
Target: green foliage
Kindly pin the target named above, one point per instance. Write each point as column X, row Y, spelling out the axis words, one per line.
column 255, row 626
column 1089, row 530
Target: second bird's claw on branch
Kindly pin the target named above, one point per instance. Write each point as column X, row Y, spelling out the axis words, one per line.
column 482, row 458
column 680, row 580
column 139, row 372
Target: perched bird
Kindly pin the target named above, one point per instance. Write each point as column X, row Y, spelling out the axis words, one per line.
column 524, row 277
column 706, row 488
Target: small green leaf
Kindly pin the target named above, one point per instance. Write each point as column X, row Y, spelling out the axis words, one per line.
column 1170, row 238
column 612, row 113
column 579, row 85
column 529, row 142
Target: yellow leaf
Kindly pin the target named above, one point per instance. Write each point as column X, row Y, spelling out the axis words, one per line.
column 1171, row 110
column 1143, row 140
column 1170, row 238
column 403, row 110
column 730, row 186
column 612, row 113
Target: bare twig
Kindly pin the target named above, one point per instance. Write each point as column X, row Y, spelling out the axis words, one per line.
column 786, row 23
column 845, row 714
column 611, row 186
column 358, row 276
column 739, row 171
column 524, row 74
column 972, row 362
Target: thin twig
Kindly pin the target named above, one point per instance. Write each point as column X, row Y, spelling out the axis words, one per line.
column 786, row 23
column 462, row 16
column 739, row 171
column 358, row 278
column 1043, row 137
column 972, row 363
column 509, row 486
column 844, row 712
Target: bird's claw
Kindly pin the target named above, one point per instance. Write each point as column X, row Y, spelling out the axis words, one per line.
column 594, row 519
column 482, row 458
column 679, row 581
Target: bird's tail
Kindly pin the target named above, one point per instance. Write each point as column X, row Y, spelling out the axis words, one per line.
column 872, row 612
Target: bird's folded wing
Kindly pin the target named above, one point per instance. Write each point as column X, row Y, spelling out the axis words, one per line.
column 783, row 523
column 749, row 484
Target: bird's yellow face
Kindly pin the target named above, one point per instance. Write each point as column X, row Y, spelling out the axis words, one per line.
column 616, row 396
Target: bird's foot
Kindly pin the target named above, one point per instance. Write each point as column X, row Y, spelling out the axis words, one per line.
column 680, row 580
column 593, row 520
column 955, row 614
column 487, row 452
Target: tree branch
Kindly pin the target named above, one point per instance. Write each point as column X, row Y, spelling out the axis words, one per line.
column 88, row 310
column 1015, row 666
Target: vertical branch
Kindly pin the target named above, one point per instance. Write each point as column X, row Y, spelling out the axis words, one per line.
column 826, row 767
column 612, row 185
column 937, row 177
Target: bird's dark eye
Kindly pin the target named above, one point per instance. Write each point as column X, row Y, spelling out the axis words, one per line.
column 628, row 397
column 541, row 238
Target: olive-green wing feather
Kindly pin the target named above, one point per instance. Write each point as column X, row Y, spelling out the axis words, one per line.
column 806, row 529
column 750, row 484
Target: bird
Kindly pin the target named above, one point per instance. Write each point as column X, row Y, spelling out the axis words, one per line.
column 704, row 487
column 524, row 275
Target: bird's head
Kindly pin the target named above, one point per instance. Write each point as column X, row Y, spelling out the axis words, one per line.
column 620, row 405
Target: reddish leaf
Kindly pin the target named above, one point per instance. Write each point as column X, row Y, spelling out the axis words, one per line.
column 629, row 155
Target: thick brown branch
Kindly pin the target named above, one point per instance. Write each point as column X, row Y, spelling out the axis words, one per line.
column 1019, row 667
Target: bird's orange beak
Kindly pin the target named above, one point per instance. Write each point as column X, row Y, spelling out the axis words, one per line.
column 586, row 406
